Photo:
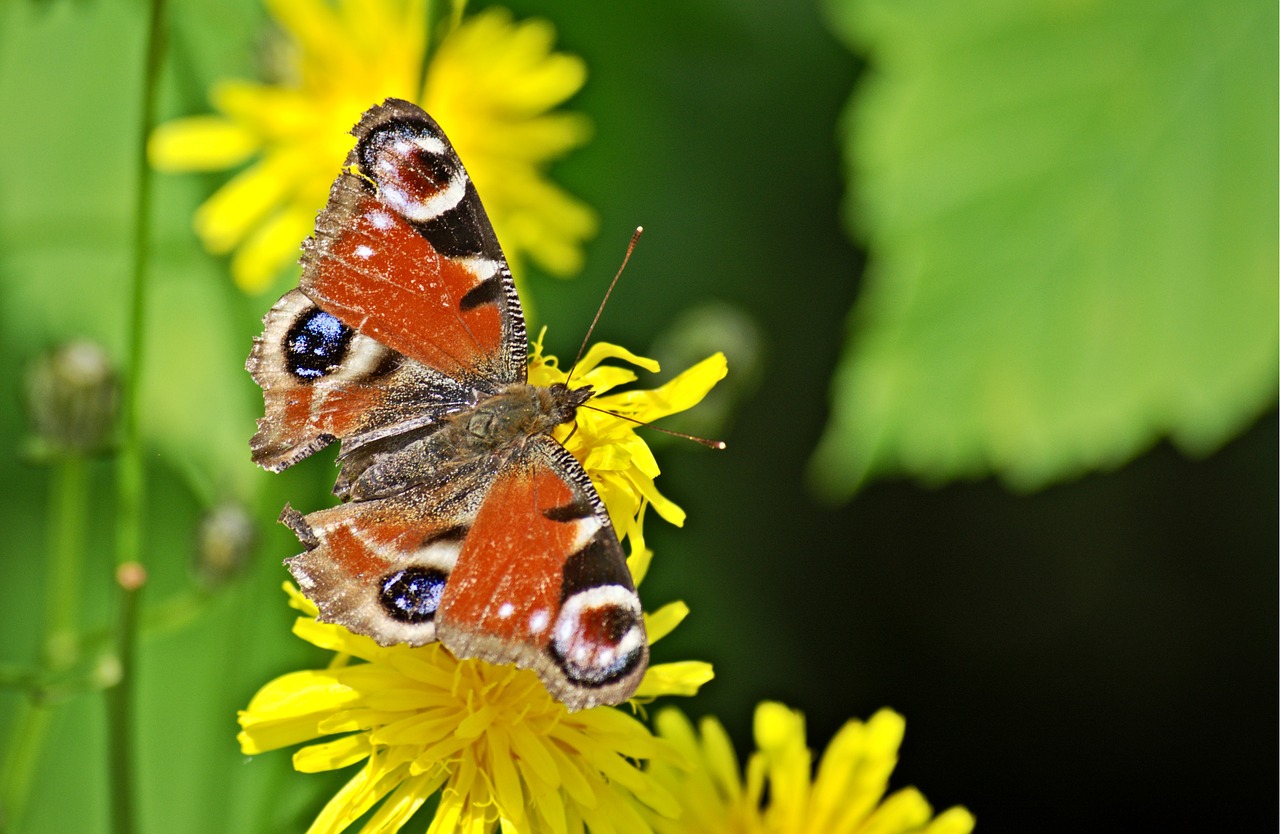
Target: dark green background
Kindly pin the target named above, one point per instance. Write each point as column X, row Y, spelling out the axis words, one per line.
column 1101, row 654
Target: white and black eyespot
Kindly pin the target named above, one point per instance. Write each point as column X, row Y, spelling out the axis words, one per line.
column 417, row 175
column 598, row 637
column 412, row 595
column 316, row 345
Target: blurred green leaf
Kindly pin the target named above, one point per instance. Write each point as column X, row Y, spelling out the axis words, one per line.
column 1071, row 213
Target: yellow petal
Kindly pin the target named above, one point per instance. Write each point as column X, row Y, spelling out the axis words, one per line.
column 683, row 678
column 236, row 208
column 601, row 351
column 312, row 24
column 603, row 456
column 525, row 745
column 722, row 761
column 905, row 810
column 200, row 143
column 847, row 787
column 675, row 727
column 665, row 507
column 681, row 393
column 356, row 797
column 335, row 638
column 952, row 821
column 640, row 558
column 332, row 755
column 276, row 243
column 551, row 807
column 603, row 378
column 299, row 602
column 664, row 621
column 508, row 795
column 395, row 813
column 855, row 770
column 288, row 709
column 275, row 114
column 779, row 733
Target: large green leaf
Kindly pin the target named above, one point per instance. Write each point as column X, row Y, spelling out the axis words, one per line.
column 1070, row 209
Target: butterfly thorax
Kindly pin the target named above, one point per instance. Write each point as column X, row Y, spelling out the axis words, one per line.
column 515, row 413
column 486, row 433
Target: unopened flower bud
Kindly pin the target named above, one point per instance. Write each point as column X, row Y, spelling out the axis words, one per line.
column 72, row 398
column 225, row 539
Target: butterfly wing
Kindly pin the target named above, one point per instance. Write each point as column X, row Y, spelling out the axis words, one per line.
column 541, row 582
column 520, row 566
column 405, row 254
column 406, row 306
column 322, row 380
column 379, row 567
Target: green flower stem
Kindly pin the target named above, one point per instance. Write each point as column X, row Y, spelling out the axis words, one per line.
column 130, row 485
column 62, row 592
column 20, row 760
column 67, row 511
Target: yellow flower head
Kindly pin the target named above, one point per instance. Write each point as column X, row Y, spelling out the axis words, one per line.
column 489, row 739
column 620, row 464
column 489, row 83
column 847, row 796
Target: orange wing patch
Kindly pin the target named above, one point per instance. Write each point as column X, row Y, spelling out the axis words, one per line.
column 381, row 277
column 508, row 579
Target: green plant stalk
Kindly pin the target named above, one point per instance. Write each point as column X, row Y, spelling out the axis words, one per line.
column 130, row 482
column 68, row 506
column 66, row 575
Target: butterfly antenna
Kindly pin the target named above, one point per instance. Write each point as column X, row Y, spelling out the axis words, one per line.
column 710, row 444
column 635, row 237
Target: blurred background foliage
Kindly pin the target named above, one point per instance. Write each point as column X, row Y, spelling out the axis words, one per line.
column 1056, row 226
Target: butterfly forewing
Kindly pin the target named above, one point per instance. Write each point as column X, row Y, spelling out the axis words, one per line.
column 322, row 380
column 405, row 254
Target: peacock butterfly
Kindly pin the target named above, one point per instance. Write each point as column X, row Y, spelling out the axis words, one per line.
column 462, row 519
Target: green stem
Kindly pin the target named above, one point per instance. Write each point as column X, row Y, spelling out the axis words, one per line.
column 20, row 761
column 67, row 510
column 129, row 470
column 62, row 593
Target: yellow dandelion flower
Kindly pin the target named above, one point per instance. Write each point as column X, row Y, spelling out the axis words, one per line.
column 620, row 463
column 847, row 796
column 490, row 83
column 488, row 739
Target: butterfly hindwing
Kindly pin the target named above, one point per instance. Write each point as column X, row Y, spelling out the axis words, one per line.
column 380, row 567
column 405, row 254
column 520, row 566
column 541, row 581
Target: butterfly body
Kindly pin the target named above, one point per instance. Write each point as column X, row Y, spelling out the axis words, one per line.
column 463, row 520
column 491, row 431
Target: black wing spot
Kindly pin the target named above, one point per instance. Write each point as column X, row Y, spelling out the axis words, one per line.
column 412, row 595
column 486, row 292
column 600, row 562
column 316, row 345
column 570, row 512
column 449, row 535
column 463, row 230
